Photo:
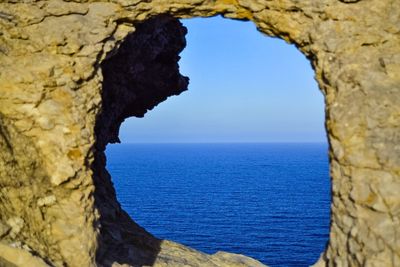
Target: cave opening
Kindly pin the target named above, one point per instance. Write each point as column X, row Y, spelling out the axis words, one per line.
column 225, row 165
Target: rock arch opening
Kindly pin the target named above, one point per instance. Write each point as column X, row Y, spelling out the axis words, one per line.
column 58, row 205
column 144, row 180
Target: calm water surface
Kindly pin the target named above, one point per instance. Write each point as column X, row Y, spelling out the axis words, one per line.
column 267, row 201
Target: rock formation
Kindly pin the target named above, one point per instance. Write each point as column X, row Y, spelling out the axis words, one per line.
column 72, row 71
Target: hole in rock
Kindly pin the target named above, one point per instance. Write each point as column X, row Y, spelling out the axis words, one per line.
column 238, row 162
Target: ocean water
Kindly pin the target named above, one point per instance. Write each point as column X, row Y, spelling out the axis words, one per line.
column 267, row 201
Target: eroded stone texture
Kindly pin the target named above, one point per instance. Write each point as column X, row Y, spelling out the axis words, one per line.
column 62, row 98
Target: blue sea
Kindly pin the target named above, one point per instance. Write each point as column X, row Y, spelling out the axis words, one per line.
column 268, row 201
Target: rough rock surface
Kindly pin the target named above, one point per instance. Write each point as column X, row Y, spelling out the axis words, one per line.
column 72, row 71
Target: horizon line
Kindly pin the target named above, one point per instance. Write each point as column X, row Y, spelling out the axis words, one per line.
column 224, row 142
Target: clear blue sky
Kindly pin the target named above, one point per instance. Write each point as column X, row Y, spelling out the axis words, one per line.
column 244, row 87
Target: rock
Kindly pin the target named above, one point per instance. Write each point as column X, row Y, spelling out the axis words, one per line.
column 235, row 259
column 4, row 230
column 16, row 224
column 10, row 256
column 350, row 1
column 46, row 201
column 72, row 71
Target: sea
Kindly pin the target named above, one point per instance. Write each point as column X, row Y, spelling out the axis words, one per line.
column 269, row 201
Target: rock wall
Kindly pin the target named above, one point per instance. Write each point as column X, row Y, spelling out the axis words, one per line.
column 72, row 71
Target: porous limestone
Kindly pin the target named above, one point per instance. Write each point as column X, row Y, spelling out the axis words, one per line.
column 72, row 71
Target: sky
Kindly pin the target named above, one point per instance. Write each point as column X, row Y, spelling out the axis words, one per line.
column 244, row 87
